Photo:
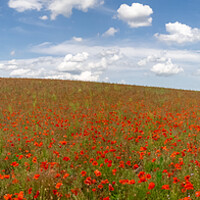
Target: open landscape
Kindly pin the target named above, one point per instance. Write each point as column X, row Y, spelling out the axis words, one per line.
column 99, row 100
column 88, row 140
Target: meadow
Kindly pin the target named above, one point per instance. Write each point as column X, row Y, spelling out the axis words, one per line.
column 98, row 141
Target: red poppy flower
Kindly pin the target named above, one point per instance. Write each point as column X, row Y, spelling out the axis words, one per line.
column 30, row 190
column 58, row 185
column 36, row 176
column 97, row 172
column 197, row 193
column 165, row 187
column 111, row 188
column 151, row 185
column 83, row 173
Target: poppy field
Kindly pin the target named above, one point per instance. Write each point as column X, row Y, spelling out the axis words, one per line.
column 83, row 140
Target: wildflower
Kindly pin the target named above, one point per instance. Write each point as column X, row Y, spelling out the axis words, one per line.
column 135, row 166
column 97, row 172
column 36, row 195
column 63, row 142
column 30, row 190
column 95, row 163
column 141, row 174
column 8, row 197
column 128, row 162
column 142, row 179
column 6, row 176
column 176, row 180
column 36, row 176
column 15, row 164
column 186, row 198
column 57, row 175
column 197, row 193
column 34, row 160
column 165, row 187
column 111, row 187
column 189, row 186
column 83, row 173
column 151, row 185
column 66, row 158
column 100, row 186
column 187, row 178
column 65, row 176
column 124, row 181
column 131, row 182
column 114, row 171
column 148, row 176
column 104, row 181
column 58, row 185
column 88, row 181
column 55, row 192
column 20, row 195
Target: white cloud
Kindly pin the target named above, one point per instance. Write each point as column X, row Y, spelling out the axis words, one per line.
column 12, row 53
column 63, row 7
column 179, row 33
column 73, row 63
column 29, row 67
column 84, row 76
column 153, row 58
column 162, row 65
column 79, row 63
column 100, row 62
column 112, row 55
column 110, row 32
column 44, row 17
column 131, row 53
column 10, row 65
column 1, row 66
column 79, row 66
column 166, row 68
column 136, row 15
column 19, row 72
column 77, row 39
column 56, row 7
column 22, row 5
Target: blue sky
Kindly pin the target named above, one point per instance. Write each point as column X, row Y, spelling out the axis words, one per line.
column 144, row 42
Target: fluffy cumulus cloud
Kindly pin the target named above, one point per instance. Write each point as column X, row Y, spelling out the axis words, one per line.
column 152, row 59
column 110, row 32
column 73, row 63
column 22, row 5
column 161, row 65
column 136, row 15
column 65, row 8
column 179, row 33
column 82, row 66
column 166, row 68
column 9, row 65
column 20, row 72
column 31, row 68
column 79, row 66
column 56, row 7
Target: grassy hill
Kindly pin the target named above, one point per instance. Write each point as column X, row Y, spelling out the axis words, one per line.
column 88, row 140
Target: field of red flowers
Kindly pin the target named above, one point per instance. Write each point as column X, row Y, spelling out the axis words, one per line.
column 89, row 141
